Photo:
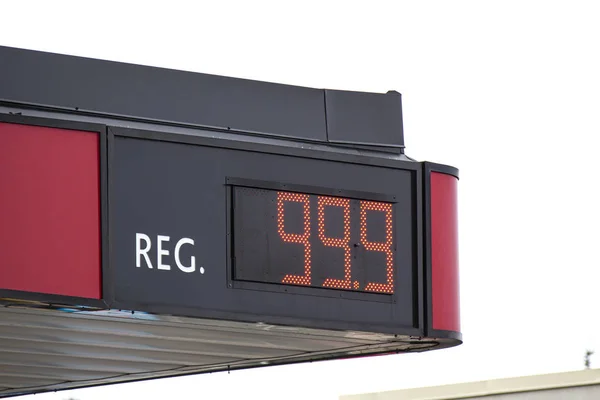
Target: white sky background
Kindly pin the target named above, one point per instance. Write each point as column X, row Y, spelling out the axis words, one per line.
column 507, row 91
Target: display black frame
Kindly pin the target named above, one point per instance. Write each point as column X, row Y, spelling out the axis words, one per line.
column 233, row 182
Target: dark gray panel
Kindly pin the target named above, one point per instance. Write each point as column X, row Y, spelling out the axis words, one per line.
column 160, row 94
column 179, row 191
column 364, row 118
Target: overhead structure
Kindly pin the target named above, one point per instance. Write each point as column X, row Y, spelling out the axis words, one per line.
column 160, row 223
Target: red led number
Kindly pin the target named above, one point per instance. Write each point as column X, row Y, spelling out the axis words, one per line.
column 303, row 239
column 343, row 242
column 385, row 247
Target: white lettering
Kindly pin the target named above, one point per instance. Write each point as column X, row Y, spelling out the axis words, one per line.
column 143, row 245
column 142, row 252
column 192, row 266
column 160, row 252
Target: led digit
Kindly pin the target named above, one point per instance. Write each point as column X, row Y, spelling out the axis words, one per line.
column 303, row 238
column 309, row 239
column 385, row 247
column 343, row 242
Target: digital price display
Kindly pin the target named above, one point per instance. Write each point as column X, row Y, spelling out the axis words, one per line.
column 297, row 238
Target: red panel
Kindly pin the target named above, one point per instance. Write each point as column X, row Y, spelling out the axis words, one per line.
column 444, row 253
column 49, row 211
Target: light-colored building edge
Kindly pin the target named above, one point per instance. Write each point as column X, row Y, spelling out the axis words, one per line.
column 467, row 390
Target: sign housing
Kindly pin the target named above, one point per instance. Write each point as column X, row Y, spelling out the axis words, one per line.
column 236, row 225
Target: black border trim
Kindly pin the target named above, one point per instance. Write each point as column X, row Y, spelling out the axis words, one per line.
column 442, row 168
column 146, row 134
column 309, row 189
column 49, row 299
column 428, row 168
column 419, row 290
column 102, row 152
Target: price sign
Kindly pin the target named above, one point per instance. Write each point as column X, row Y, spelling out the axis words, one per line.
column 306, row 239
